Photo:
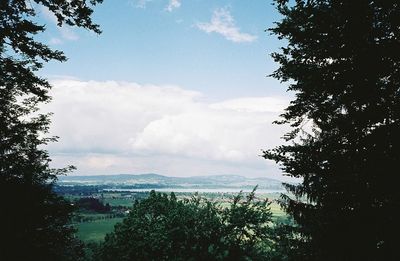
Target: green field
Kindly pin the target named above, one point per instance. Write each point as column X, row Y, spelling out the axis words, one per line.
column 124, row 202
column 96, row 230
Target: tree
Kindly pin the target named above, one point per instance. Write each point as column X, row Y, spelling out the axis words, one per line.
column 34, row 219
column 342, row 60
column 164, row 228
column 92, row 204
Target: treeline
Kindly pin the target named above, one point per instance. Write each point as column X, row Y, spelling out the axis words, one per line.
column 80, row 190
column 93, row 204
column 88, row 209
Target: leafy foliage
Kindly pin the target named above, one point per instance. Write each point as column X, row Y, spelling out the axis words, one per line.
column 33, row 217
column 164, row 228
column 342, row 60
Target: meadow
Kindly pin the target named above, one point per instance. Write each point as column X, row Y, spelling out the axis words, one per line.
column 96, row 230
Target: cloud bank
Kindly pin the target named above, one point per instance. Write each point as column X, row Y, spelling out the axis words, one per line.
column 223, row 23
column 122, row 127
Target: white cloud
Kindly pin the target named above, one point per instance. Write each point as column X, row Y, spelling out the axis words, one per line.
column 208, row 132
column 223, row 23
column 173, row 4
column 109, row 127
column 253, row 104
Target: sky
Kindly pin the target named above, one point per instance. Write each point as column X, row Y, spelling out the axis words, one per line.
column 173, row 87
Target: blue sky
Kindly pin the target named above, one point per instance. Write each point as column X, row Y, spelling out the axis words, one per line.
column 153, row 45
column 167, row 77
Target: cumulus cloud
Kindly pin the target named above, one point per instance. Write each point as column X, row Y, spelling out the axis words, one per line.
column 206, row 133
column 173, row 4
column 223, row 23
column 109, row 127
column 253, row 104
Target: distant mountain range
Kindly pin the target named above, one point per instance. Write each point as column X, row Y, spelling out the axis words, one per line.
column 160, row 181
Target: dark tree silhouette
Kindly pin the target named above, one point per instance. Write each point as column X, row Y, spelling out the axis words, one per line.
column 33, row 217
column 93, row 204
column 342, row 60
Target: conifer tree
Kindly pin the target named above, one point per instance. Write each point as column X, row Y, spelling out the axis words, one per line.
column 33, row 218
column 342, row 61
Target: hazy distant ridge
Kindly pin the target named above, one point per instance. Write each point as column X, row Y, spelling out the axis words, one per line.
column 216, row 181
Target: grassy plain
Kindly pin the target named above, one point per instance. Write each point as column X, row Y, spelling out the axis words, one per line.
column 96, row 230
column 117, row 201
